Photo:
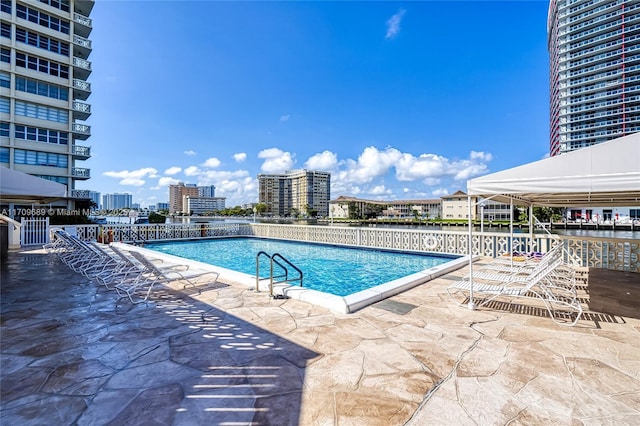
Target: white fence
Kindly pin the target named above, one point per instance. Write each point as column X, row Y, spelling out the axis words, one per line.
column 34, row 231
column 608, row 253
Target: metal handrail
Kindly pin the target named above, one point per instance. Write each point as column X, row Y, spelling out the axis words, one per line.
column 258, row 267
column 274, row 259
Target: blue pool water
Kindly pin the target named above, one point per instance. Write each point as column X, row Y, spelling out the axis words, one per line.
column 330, row 269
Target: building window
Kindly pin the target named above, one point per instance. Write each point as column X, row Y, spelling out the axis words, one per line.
column 5, row 30
column 634, row 213
column 60, row 179
column 41, row 135
column 5, row 55
column 43, row 42
column 41, row 112
column 38, row 158
column 4, row 155
column 6, row 6
column 38, row 64
column 58, row 4
column 4, row 105
column 42, row 18
column 4, row 129
column 5, row 80
column 42, row 88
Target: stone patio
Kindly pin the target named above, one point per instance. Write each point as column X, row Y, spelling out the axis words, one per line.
column 73, row 353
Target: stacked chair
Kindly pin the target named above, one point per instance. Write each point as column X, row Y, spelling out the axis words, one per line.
column 547, row 279
column 130, row 274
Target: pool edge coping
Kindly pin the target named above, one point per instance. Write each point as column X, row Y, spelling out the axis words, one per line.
column 342, row 304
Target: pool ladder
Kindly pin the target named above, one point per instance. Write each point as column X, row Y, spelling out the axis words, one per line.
column 283, row 263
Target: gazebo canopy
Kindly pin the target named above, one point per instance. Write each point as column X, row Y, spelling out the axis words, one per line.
column 606, row 174
column 22, row 188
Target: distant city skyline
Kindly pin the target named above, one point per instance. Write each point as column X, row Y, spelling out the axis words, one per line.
column 395, row 100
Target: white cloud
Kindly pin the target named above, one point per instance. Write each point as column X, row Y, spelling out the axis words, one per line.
column 480, row 156
column 393, row 24
column 190, row 152
column 173, row 170
column 211, row 163
column 191, row 171
column 240, row 157
column 371, row 164
column 440, row 192
column 325, row 160
column 276, row 160
column 165, row 181
column 133, row 177
column 380, row 190
column 285, row 117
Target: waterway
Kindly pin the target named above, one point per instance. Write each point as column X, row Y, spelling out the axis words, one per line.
column 600, row 233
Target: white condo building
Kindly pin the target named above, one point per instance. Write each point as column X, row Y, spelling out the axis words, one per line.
column 594, row 58
column 44, row 67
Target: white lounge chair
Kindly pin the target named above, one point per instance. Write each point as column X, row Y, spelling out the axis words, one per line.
column 558, row 298
column 150, row 275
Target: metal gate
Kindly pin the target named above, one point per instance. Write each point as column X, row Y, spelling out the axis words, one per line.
column 34, row 231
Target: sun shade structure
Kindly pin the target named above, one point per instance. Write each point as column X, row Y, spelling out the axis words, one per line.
column 18, row 187
column 606, row 174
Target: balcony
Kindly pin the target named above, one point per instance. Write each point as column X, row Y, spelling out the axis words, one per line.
column 81, row 131
column 81, row 89
column 81, row 68
column 81, row 173
column 82, row 25
column 81, row 47
column 81, row 152
column 80, row 193
column 81, row 111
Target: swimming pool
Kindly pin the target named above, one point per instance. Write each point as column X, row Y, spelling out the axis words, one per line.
column 336, row 270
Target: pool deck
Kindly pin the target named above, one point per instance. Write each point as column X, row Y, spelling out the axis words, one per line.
column 73, row 353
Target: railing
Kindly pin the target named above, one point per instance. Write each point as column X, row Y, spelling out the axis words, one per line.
column 80, row 172
column 81, row 63
column 80, row 193
column 81, row 129
column 81, row 107
column 81, row 41
column 81, row 19
column 609, row 253
column 81, row 84
column 81, row 151
column 284, row 264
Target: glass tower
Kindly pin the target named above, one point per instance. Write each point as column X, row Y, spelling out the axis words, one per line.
column 594, row 59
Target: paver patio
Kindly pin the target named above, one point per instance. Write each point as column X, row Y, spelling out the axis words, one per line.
column 73, row 353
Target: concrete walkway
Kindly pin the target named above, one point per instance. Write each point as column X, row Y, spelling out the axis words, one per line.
column 73, row 353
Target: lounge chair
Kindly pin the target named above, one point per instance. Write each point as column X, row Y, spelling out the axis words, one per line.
column 558, row 297
column 151, row 274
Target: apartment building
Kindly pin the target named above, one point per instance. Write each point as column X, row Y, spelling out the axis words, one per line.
column 44, row 68
column 177, row 194
column 117, row 201
column 594, row 67
column 302, row 190
column 357, row 208
column 202, row 205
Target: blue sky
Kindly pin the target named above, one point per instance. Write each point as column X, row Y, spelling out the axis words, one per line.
column 398, row 100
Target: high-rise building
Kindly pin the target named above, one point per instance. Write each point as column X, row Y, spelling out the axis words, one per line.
column 301, row 190
column 207, row 191
column 44, row 69
column 95, row 197
column 594, row 58
column 117, row 201
column 176, row 194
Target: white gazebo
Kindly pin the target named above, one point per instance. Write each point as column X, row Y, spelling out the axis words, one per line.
column 606, row 174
